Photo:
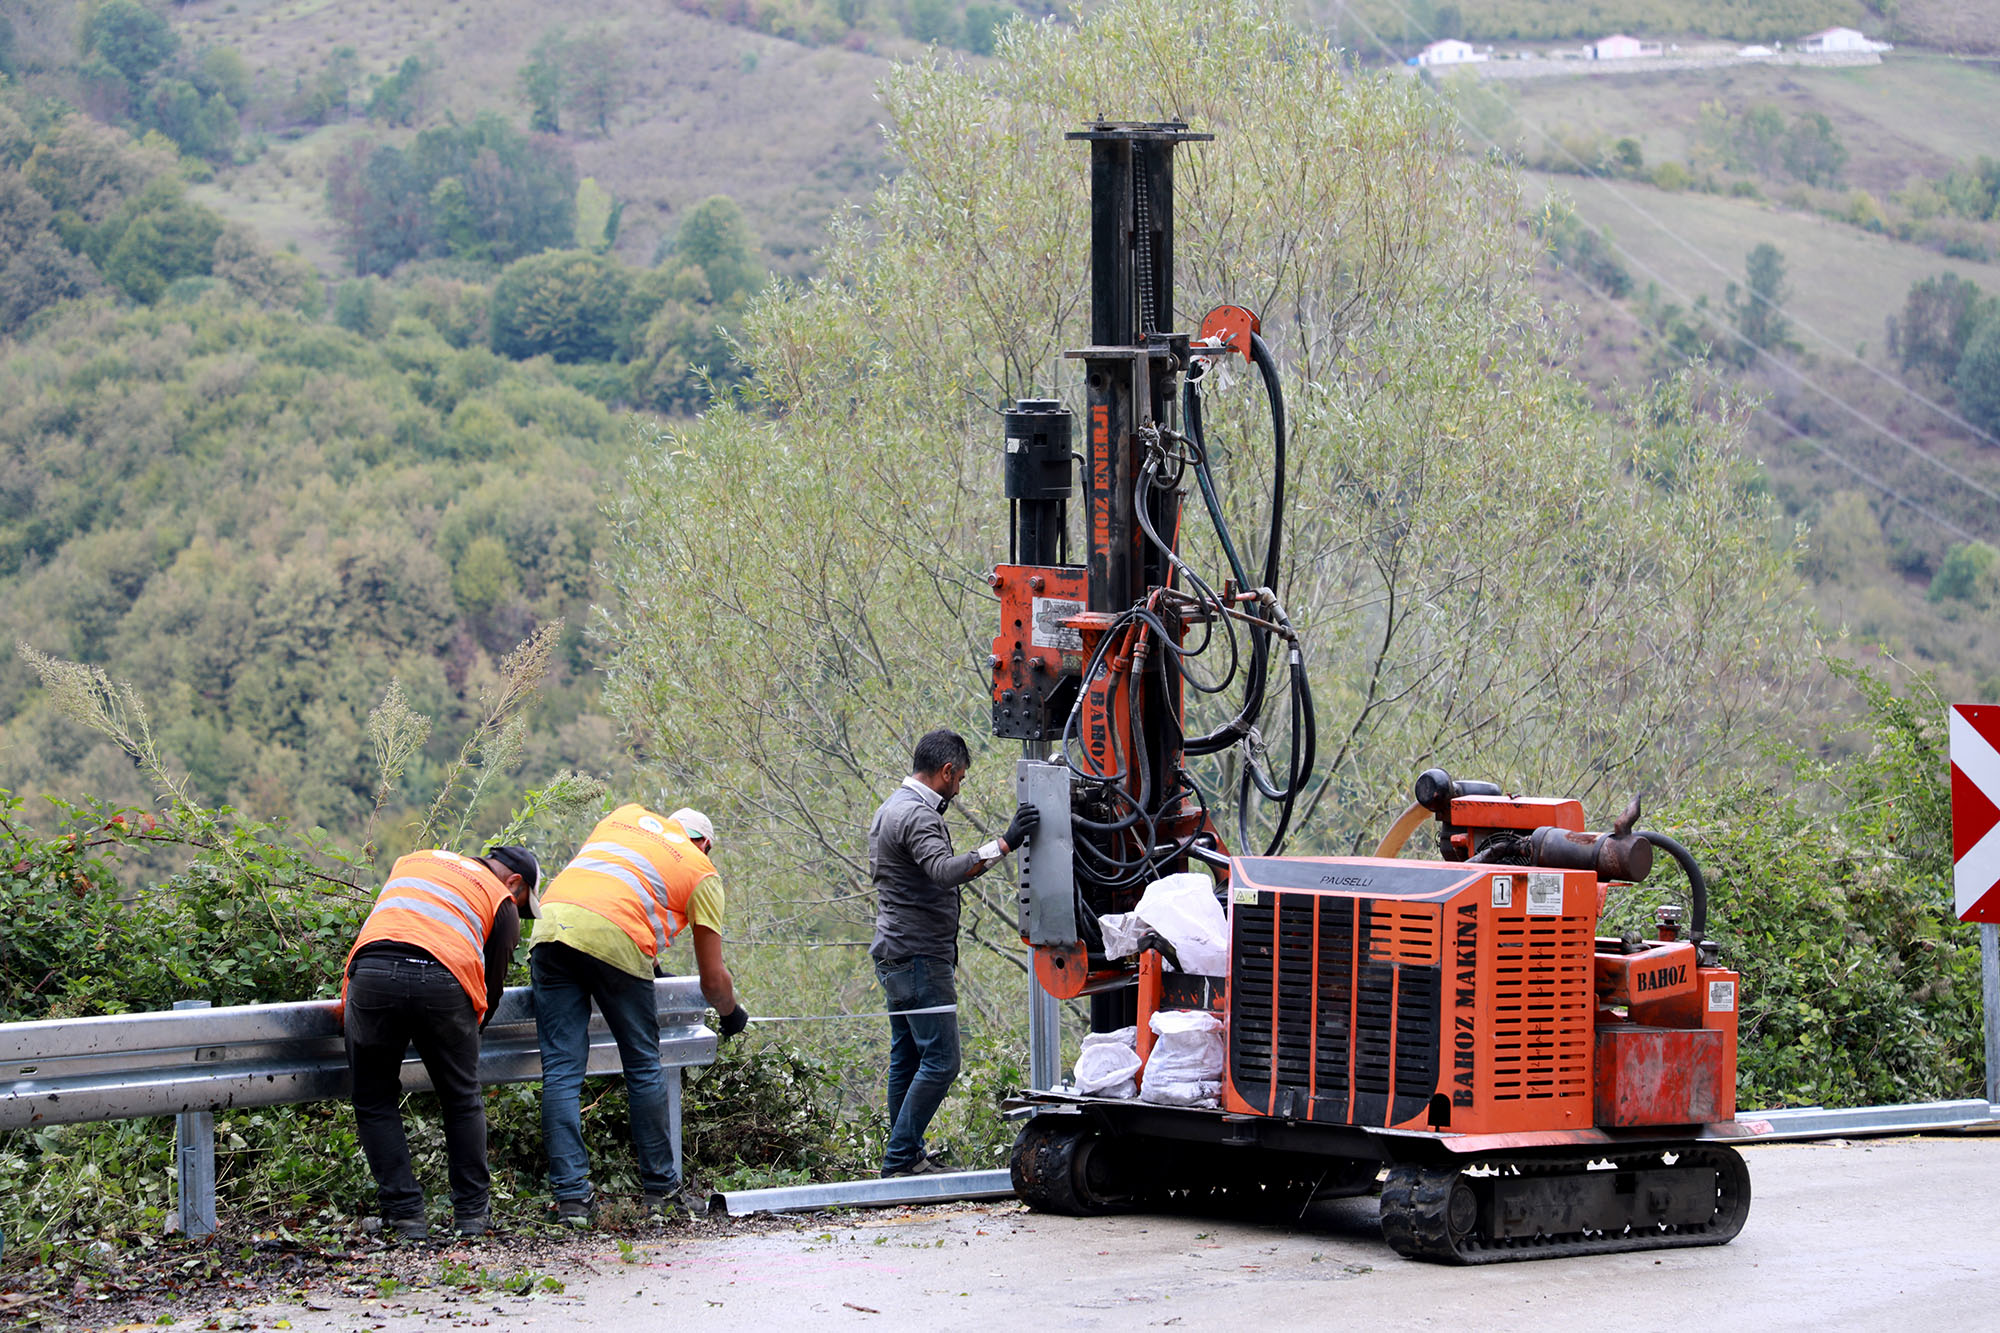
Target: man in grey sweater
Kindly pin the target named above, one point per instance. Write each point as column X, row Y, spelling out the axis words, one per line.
column 917, row 889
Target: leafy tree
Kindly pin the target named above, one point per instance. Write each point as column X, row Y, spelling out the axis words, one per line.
column 380, row 200
column 1846, row 540
column 715, row 238
column 1977, row 380
column 1759, row 139
column 325, row 96
column 90, row 170
column 1970, row 574
column 485, row 577
column 400, row 99
column 202, row 126
column 520, row 190
column 541, row 82
column 983, row 23
column 1813, row 152
column 1940, row 315
column 1587, row 253
column 275, row 280
column 363, row 306
column 855, row 613
column 566, row 305
column 1758, row 315
column 597, row 79
column 1973, row 191
column 512, row 195
column 130, row 37
column 931, row 21
column 223, row 71
column 159, row 237
column 38, row 272
column 9, row 58
column 597, row 214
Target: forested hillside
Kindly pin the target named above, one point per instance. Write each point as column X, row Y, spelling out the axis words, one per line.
column 1644, row 438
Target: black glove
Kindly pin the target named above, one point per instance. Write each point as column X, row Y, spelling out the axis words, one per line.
column 1026, row 820
column 735, row 1020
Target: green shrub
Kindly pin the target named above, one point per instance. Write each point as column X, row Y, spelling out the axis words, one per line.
column 1860, row 986
column 567, row 305
column 1970, row 574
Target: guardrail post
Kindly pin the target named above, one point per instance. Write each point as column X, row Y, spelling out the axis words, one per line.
column 194, row 1141
column 673, row 1074
column 1989, row 977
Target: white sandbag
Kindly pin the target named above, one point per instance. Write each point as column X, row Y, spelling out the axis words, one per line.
column 1185, row 1068
column 1183, row 1094
column 1183, row 910
column 1121, row 933
column 1108, row 1065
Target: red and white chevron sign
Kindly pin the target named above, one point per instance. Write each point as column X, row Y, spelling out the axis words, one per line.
column 1975, row 811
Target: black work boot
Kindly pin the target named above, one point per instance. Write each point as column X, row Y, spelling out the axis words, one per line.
column 402, row 1228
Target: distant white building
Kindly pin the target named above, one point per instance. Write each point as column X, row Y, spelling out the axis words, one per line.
column 1840, row 39
column 1620, row 47
column 1450, row 51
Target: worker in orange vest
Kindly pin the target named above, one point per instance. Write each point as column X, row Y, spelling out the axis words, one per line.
column 607, row 921
column 427, row 972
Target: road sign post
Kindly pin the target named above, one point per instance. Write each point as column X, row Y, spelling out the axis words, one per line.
column 1975, row 854
column 1989, row 976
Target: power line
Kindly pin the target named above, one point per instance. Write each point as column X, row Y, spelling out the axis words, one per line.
column 1663, row 281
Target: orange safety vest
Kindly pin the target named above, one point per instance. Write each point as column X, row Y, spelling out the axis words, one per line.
column 444, row 904
column 638, row 870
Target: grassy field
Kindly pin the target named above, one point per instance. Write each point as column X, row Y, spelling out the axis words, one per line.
column 1910, row 116
column 789, row 132
column 1844, row 280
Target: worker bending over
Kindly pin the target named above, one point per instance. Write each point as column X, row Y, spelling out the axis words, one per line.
column 607, row 921
column 918, row 884
column 427, row 972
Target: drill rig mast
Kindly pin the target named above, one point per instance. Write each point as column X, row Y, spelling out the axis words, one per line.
column 1530, row 1090
column 1092, row 656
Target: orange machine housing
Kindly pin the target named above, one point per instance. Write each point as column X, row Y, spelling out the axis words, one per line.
column 1461, row 997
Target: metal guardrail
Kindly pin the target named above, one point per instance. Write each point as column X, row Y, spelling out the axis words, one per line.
column 193, row 1061
column 1788, row 1123
column 1817, row 1122
column 934, row 1187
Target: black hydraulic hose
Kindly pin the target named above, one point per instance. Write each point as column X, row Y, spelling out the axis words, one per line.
column 1697, row 886
column 1266, row 363
column 1191, row 411
column 1234, row 730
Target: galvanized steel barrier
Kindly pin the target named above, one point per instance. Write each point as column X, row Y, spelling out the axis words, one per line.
column 193, row 1061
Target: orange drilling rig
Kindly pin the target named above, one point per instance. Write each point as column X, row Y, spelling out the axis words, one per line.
column 1530, row 1088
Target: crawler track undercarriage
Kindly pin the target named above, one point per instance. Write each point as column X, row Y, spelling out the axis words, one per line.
column 1456, row 1209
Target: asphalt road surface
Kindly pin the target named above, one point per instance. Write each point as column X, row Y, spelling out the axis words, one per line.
column 1869, row 1234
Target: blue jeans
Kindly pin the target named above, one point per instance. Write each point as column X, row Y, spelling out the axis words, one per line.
column 566, row 980
column 923, row 1052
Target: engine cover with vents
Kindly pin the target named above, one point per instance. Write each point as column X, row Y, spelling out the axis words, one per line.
column 1409, row 994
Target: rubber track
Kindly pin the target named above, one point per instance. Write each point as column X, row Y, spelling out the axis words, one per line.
column 1043, row 1167
column 1414, row 1200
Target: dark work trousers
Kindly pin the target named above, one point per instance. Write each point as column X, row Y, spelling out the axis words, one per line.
column 393, row 1004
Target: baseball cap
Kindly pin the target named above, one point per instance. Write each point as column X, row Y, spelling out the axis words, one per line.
column 523, row 863
column 696, row 825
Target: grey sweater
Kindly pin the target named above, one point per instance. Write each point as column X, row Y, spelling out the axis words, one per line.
column 917, row 878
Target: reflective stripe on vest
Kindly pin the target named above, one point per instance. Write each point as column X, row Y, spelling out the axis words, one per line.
column 444, row 904
column 642, row 879
column 638, row 871
column 456, row 916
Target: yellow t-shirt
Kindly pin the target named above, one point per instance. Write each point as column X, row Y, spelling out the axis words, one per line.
column 600, row 937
